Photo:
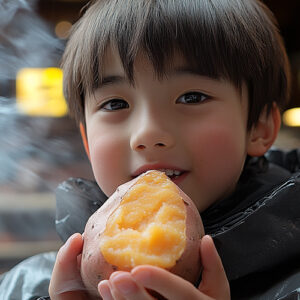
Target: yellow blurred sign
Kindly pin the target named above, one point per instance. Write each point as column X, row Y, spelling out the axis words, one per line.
column 291, row 117
column 40, row 92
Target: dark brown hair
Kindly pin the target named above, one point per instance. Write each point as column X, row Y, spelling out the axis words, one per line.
column 233, row 39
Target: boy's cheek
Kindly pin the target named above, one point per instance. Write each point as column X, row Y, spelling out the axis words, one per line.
column 219, row 158
column 218, row 142
column 108, row 161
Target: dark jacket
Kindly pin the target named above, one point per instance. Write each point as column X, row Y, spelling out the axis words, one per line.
column 256, row 230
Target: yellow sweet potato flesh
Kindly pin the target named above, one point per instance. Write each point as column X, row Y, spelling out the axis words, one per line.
column 148, row 227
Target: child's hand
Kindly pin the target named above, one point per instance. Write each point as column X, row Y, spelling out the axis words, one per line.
column 132, row 286
column 66, row 281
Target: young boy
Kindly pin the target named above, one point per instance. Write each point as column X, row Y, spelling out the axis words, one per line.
column 193, row 88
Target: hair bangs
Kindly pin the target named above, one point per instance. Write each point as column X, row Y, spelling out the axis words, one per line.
column 159, row 29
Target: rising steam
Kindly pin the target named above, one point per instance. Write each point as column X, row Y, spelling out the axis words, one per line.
column 31, row 148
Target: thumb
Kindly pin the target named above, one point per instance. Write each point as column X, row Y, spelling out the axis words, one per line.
column 214, row 281
column 66, row 275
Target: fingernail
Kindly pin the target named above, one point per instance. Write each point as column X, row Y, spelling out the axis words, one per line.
column 209, row 237
column 104, row 290
column 115, row 274
column 70, row 239
column 125, row 284
column 141, row 275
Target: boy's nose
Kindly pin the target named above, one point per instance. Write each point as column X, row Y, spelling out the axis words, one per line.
column 151, row 137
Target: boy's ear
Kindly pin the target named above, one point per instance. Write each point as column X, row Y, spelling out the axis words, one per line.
column 84, row 139
column 264, row 133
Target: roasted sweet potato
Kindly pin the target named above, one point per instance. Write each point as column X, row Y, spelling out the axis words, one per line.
column 148, row 220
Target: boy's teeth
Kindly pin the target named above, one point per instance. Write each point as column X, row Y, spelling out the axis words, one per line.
column 169, row 172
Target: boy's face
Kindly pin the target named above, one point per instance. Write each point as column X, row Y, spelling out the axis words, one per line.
column 193, row 127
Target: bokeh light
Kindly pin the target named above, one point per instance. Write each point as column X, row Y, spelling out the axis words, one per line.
column 62, row 29
column 291, row 117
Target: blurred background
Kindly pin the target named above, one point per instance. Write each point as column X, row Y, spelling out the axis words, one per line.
column 40, row 145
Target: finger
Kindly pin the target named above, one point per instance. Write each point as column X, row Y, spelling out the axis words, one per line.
column 110, row 291
column 66, row 275
column 214, row 281
column 104, row 290
column 166, row 284
column 123, row 284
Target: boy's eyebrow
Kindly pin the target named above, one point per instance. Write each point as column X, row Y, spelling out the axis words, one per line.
column 108, row 80
column 115, row 79
column 181, row 70
column 188, row 70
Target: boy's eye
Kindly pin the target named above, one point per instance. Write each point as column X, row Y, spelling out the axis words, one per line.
column 192, row 98
column 114, row 104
